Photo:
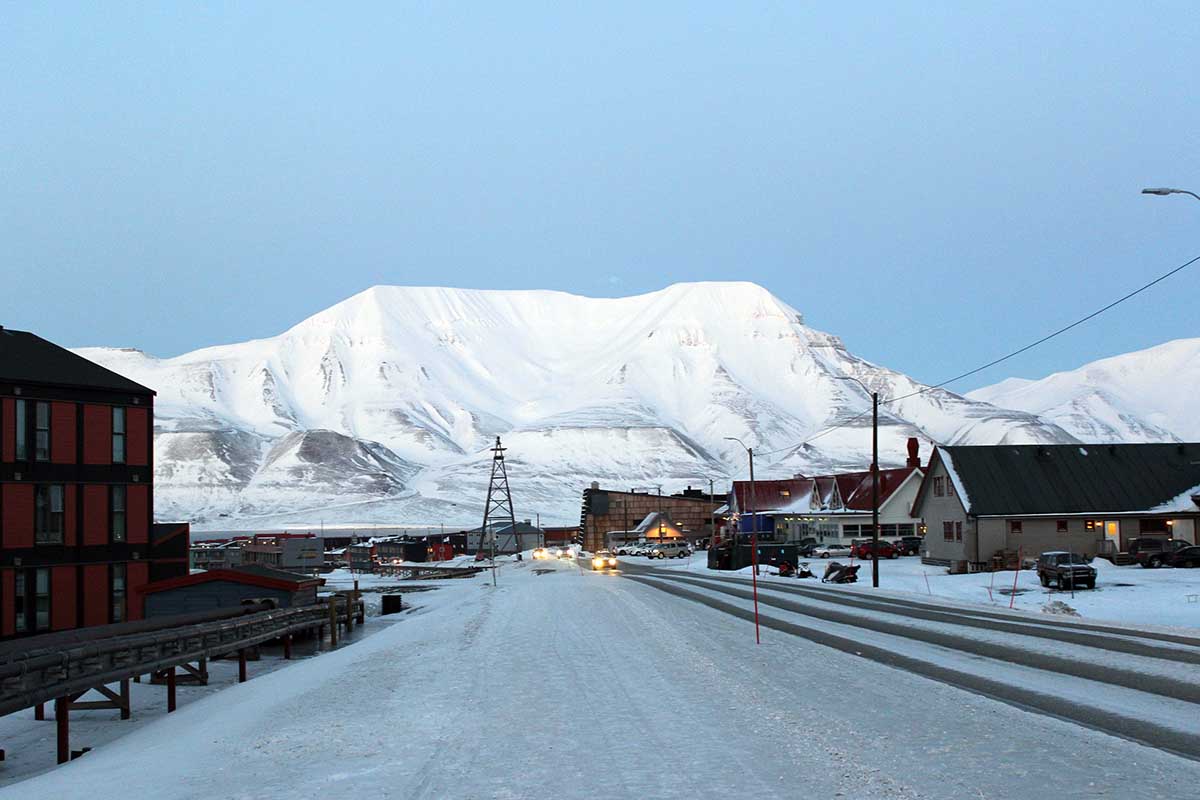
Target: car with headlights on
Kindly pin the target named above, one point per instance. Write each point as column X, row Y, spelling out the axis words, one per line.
column 540, row 553
column 604, row 560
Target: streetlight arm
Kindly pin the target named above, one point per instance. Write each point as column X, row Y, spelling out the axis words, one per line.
column 1163, row 192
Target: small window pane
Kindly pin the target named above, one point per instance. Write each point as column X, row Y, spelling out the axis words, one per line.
column 118, row 420
column 22, row 441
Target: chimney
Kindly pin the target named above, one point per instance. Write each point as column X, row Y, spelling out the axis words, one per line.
column 914, row 460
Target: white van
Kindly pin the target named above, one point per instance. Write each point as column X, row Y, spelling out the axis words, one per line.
column 673, row 548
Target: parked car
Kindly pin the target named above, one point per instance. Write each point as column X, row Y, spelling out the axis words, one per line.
column 831, row 550
column 909, row 545
column 867, row 550
column 670, row 549
column 604, row 560
column 1152, row 551
column 1184, row 557
column 1068, row 570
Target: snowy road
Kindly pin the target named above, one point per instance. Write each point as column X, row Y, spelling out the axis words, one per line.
column 570, row 684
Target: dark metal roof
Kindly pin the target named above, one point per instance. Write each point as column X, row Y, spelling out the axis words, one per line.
column 1012, row 480
column 28, row 358
column 252, row 574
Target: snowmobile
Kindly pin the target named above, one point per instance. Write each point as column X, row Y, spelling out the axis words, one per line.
column 840, row 573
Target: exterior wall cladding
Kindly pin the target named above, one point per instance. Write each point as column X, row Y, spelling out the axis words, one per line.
column 69, row 555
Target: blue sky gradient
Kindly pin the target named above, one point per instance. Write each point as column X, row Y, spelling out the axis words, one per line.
column 934, row 182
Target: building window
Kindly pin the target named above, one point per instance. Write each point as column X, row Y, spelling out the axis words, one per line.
column 118, row 592
column 948, row 531
column 1014, row 526
column 118, row 435
column 41, row 432
column 41, row 600
column 958, row 531
column 117, row 512
column 22, row 440
column 949, row 488
column 20, row 606
column 939, row 487
column 48, row 514
column 850, row 530
column 1062, row 526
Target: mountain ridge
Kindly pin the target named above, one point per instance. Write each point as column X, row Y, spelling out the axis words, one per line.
column 418, row 381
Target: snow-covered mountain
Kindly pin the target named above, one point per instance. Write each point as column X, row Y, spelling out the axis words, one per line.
column 383, row 407
column 1145, row 396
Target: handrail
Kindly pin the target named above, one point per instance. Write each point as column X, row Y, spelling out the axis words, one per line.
column 46, row 673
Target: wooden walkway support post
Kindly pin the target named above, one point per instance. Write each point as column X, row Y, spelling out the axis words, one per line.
column 39, row 712
column 62, row 721
column 287, row 647
column 170, row 690
column 125, row 704
column 242, row 665
column 333, row 622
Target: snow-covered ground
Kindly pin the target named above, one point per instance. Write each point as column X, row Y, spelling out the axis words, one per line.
column 1131, row 595
column 565, row 683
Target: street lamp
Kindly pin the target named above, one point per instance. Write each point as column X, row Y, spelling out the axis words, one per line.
column 1163, row 192
column 874, row 477
column 753, row 536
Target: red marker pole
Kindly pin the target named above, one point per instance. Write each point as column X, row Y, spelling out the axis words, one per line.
column 754, row 545
column 1012, row 598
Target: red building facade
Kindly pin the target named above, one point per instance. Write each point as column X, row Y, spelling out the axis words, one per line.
column 76, row 489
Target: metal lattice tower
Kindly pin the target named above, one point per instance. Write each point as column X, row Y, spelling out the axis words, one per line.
column 499, row 507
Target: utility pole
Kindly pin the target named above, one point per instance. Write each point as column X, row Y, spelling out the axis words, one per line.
column 874, row 477
column 753, row 536
column 875, row 489
column 712, row 515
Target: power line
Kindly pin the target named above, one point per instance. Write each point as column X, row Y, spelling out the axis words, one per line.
column 994, row 362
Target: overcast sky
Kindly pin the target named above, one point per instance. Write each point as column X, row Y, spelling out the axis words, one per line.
column 936, row 183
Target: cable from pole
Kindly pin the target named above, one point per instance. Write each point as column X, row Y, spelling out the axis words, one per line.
column 994, row 362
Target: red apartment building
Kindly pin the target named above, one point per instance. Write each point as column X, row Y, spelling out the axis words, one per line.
column 76, row 489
